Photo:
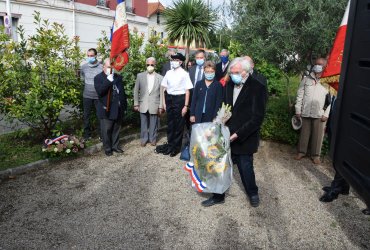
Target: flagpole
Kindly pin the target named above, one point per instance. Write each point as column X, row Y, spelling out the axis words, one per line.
column 9, row 14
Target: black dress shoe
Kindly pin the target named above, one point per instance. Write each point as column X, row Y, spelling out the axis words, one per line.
column 254, row 200
column 329, row 197
column 212, row 201
column 366, row 211
column 108, row 153
column 167, row 151
column 118, row 150
column 328, row 189
column 174, row 153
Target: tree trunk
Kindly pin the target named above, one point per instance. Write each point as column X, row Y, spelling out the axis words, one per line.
column 187, row 53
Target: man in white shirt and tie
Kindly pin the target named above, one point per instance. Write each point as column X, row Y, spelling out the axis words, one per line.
column 177, row 86
column 148, row 96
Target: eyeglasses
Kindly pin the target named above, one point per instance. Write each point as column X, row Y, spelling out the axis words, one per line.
column 150, row 65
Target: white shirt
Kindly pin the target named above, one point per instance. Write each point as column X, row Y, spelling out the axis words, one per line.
column 224, row 65
column 196, row 74
column 236, row 93
column 177, row 81
column 150, row 80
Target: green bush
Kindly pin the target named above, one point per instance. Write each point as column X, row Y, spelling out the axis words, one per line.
column 38, row 76
column 275, row 82
column 277, row 123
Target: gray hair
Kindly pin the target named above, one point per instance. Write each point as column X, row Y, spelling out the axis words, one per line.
column 151, row 59
column 225, row 50
column 246, row 65
column 106, row 60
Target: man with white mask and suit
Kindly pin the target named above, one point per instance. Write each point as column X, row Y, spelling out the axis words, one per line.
column 148, row 96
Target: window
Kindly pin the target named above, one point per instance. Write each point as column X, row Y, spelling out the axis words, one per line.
column 158, row 18
column 102, row 3
column 14, row 26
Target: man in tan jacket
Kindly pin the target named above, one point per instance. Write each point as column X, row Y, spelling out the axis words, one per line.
column 148, row 95
column 310, row 106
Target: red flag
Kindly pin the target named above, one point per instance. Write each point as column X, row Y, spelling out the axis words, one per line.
column 331, row 73
column 120, row 37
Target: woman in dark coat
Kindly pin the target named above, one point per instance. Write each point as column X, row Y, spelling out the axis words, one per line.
column 207, row 96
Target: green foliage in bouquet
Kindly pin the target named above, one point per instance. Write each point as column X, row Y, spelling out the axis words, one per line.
column 64, row 147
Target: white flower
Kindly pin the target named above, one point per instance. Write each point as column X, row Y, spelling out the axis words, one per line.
column 57, row 142
column 43, row 149
column 68, row 151
column 55, row 150
column 71, row 142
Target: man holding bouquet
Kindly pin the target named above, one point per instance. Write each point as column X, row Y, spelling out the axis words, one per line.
column 247, row 97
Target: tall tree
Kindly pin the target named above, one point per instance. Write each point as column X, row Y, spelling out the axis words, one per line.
column 189, row 21
column 288, row 33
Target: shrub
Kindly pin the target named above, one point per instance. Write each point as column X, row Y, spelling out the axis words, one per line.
column 277, row 122
column 275, row 82
column 38, row 76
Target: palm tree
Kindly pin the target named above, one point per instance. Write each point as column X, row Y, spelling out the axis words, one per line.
column 189, row 21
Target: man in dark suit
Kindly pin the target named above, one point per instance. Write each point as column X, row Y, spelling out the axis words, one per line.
column 255, row 73
column 167, row 65
column 111, row 106
column 196, row 72
column 221, row 67
column 247, row 96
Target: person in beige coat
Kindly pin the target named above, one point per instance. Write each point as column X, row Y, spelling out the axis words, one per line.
column 310, row 106
column 148, row 95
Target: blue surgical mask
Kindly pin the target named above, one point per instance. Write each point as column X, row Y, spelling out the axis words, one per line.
column 224, row 59
column 236, row 78
column 209, row 76
column 199, row 62
column 91, row 60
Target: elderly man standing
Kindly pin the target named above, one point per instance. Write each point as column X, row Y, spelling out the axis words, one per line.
column 111, row 107
column 90, row 98
column 148, row 95
column 177, row 84
column 247, row 97
column 221, row 67
column 311, row 106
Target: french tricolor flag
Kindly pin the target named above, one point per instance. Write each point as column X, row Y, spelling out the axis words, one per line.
column 120, row 37
column 331, row 73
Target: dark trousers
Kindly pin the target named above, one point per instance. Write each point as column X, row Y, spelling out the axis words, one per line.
column 88, row 105
column 110, row 132
column 246, row 171
column 175, row 121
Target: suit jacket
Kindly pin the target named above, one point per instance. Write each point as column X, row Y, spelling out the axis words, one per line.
column 148, row 101
column 247, row 115
column 219, row 72
column 262, row 79
column 213, row 102
column 166, row 67
column 192, row 72
column 118, row 101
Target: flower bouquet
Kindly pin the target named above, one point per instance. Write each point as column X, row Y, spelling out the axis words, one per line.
column 210, row 166
column 64, row 145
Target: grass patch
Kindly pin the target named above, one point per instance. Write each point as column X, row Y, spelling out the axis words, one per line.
column 16, row 149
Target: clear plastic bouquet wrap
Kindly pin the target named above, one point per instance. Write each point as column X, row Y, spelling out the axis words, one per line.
column 210, row 166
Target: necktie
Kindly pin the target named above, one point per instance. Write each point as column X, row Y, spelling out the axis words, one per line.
column 199, row 76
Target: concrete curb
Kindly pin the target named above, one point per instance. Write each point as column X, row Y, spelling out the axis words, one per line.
column 5, row 174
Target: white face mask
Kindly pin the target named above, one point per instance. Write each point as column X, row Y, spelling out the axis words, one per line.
column 317, row 68
column 107, row 72
column 150, row 69
column 175, row 64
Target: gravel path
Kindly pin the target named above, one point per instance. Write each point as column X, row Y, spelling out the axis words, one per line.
column 140, row 200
